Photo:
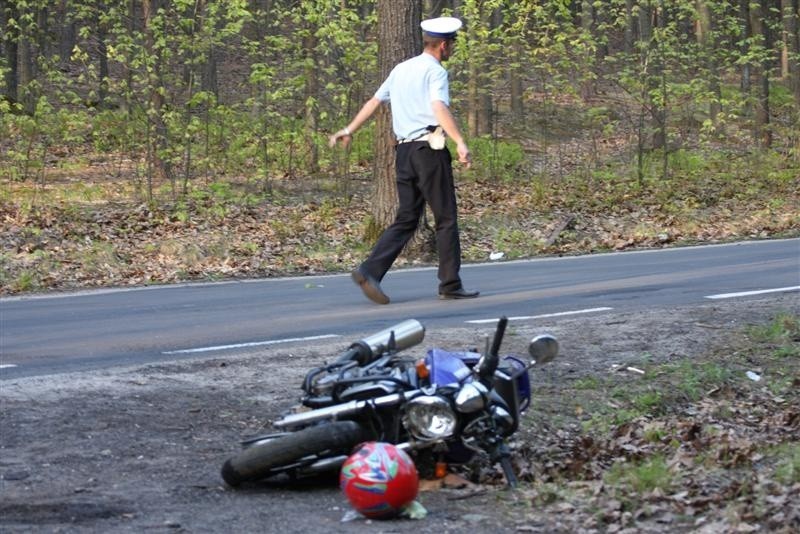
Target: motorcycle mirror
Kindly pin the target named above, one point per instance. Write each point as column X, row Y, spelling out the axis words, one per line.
column 543, row 349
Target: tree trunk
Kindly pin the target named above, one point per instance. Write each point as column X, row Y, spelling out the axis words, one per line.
column 9, row 43
column 473, row 94
column 127, row 73
column 630, row 27
column 796, row 48
column 208, row 74
column 25, row 73
column 486, row 125
column 744, row 16
column 433, row 8
column 652, row 62
column 791, row 46
column 26, row 49
column 645, row 22
column 158, row 139
column 207, row 67
column 517, row 91
column 42, row 33
column 400, row 38
column 588, row 87
column 66, row 33
column 758, row 26
column 706, row 39
column 478, row 92
column 102, row 58
column 311, row 95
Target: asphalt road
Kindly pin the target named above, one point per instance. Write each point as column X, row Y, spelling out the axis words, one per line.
column 96, row 329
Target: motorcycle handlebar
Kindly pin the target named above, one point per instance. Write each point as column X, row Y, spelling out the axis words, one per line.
column 488, row 363
column 498, row 336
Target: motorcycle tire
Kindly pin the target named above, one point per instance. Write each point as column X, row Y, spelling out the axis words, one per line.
column 263, row 459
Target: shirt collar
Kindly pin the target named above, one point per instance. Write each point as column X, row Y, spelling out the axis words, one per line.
column 431, row 56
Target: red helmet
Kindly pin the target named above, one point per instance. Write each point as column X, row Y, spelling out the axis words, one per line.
column 379, row 480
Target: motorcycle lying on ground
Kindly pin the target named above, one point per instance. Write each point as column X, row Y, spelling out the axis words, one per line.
column 449, row 405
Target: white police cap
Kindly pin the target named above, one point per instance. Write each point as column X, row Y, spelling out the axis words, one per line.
column 443, row 27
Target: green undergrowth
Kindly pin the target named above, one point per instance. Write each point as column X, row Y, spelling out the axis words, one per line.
column 704, row 438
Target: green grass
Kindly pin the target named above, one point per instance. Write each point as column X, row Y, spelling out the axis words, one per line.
column 588, row 383
column 496, row 159
column 641, row 476
column 26, row 281
column 697, row 379
column 516, row 243
column 783, row 329
column 772, row 348
column 100, row 255
column 787, row 457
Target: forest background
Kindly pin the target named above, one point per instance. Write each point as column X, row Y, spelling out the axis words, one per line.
column 156, row 141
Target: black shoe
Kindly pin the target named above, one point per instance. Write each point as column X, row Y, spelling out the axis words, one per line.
column 371, row 287
column 459, row 294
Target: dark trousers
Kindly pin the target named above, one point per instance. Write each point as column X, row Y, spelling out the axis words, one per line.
column 423, row 175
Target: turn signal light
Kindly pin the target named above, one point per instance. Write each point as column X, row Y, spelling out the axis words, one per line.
column 440, row 471
column 422, row 369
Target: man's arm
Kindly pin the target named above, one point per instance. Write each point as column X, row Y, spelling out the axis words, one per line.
column 446, row 120
column 346, row 134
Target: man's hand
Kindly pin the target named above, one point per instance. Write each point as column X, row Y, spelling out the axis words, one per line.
column 446, row 120
column 344, row 135
column 464, row 156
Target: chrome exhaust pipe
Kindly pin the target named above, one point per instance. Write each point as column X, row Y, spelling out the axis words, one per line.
column 395, row 338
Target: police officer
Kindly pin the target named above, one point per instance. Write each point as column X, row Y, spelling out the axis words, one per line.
column 418, row 92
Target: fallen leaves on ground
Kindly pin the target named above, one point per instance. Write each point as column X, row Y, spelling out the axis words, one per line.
column 68, row 246
column 728, row 462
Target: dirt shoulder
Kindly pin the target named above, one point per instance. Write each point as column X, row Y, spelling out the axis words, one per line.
column 135, row 449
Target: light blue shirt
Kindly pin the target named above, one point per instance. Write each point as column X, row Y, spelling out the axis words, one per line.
column 411, row 88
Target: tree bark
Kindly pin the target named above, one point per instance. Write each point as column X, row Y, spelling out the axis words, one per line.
column 480, row 100
column 124, row 101
column 587, row 18
column 102, row 58
column 744, row 16
column 761, row 125
column 708, row 44
column 473, row 93
column 400, row 38
column 158, row 139
column 66, row 33
column 25, row 73
column 630, row 27
column 208, row 74
column 433, row 8
column 9, row 43
column 796, row 48
column 515, row 83
column 790, row 64
column 652, row 61
column 311, row 94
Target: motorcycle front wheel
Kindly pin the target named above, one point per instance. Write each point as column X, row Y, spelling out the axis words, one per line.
column 262, row 460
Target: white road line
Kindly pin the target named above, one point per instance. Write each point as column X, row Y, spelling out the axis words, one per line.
column 253, row 344
column 528, row 317
column 747, row 293
column 7, row 365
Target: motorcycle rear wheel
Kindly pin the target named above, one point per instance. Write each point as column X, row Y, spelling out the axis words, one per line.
column 262, row 460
